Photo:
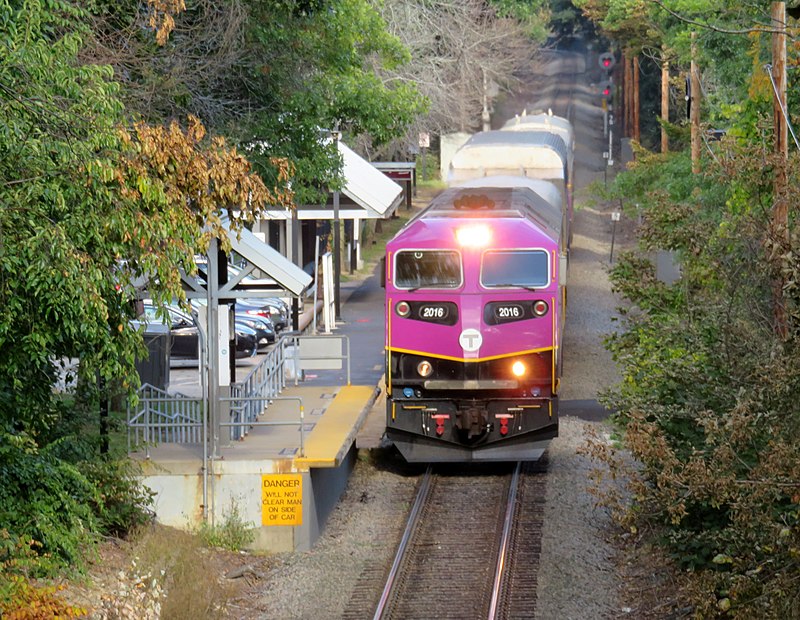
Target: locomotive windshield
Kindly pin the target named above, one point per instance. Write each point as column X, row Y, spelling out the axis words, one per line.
column 524, row 268
column 427, row 268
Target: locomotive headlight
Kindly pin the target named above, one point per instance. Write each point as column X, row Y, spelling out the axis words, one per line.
column 403, row 308
column 475, row 236
column 540, row 308
column 424, row 368
column 518, row 369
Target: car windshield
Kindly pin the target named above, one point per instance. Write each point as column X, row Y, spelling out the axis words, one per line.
column 427, row 268
column 515, row 268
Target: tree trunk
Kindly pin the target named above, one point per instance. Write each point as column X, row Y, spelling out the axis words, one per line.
column 627, row 88
column 637, row 135
column 695, row 107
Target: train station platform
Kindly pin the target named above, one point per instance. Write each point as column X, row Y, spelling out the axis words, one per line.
column 285, row 475
column 280, row 480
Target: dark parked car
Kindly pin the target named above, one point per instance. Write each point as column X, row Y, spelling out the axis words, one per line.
column 262, row 325
column 273, row 307
column 265, row 330
column 185, row 336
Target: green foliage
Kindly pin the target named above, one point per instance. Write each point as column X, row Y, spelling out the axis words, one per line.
column 708, row 390
column 314, row 71
column 275, row 74
column 56, row 506
column 534, row 15
column 122, row 503
column 46, row 501
column 233, row 533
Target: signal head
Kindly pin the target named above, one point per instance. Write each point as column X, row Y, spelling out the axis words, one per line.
column 606, row 61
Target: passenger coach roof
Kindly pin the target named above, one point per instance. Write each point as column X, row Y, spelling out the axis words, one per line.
column 542, row 122
column 512, row 139
column 495, row 202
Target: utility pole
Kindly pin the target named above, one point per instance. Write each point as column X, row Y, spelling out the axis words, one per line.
column 780, row 209
column 337, row 256
column 664, row 99
column 637, row 134
column 486, row 117
column 694, row 107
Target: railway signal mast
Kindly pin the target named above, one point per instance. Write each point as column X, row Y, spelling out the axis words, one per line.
column 606, row 62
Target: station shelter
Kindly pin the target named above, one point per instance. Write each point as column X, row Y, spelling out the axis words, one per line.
column 368, row 194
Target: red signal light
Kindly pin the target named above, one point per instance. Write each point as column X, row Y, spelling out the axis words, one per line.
column 606, row 61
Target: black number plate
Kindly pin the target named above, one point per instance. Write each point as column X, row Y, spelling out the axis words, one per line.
column 497, row 312
column 445, row 312
column 508, row 312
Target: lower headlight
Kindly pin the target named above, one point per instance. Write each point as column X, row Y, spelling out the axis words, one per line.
column 424, row 368
column 518, row 369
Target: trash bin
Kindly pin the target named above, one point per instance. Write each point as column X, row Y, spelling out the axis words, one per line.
column 154, row 369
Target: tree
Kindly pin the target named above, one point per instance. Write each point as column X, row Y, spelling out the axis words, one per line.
column 90, row 205
column 457, row 49
column 271, row 75
column 707, row 397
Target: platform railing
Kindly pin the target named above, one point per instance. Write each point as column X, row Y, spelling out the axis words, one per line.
column 161, row 417
column 251, row 396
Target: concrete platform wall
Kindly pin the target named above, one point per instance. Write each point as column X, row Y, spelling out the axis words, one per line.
column 234, row 490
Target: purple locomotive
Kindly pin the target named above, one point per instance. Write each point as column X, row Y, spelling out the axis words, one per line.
column 475, row 292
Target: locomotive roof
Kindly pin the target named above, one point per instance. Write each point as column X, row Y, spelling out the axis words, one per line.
column 545, row 189
column 496, row 203
column 537, row 154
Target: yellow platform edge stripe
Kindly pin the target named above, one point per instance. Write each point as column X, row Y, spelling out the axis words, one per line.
column 330, row 440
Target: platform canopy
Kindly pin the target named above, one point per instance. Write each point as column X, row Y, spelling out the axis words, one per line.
column 281, row 274
column 367, row 194
column 267, row 259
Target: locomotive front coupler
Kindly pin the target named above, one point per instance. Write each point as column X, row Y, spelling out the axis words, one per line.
column 472, row 417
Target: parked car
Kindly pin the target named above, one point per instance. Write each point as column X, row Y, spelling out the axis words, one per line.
column 273, row 307
column 276, row 310
column 262, row 325
column 265, row 330
column 184, row 334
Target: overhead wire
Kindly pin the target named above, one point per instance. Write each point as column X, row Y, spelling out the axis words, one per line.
column 786, row 118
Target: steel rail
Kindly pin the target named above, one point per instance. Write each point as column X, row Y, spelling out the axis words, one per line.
column 505, row 541
column 413, row 518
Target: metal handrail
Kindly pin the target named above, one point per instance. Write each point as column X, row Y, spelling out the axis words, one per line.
column 246, row 425
column 179, row 419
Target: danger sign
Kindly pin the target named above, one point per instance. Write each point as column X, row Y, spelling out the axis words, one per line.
column 282, row 499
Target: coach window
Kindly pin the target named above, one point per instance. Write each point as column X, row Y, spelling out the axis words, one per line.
column 427, row 269
column 516, row 268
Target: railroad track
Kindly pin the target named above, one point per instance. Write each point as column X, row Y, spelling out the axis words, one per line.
column 470, row 549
